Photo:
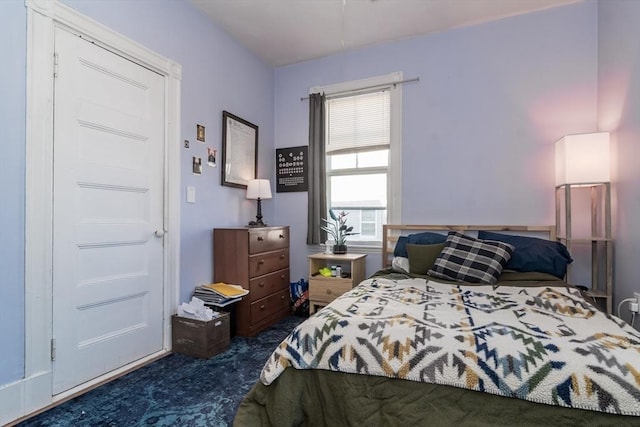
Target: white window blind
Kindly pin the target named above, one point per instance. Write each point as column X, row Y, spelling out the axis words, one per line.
column 358, row 122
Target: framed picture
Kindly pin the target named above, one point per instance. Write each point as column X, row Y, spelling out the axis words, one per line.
column 239, row 151
column 200, row 133
column 197, row 165
column 211, row 157
column 292, row 169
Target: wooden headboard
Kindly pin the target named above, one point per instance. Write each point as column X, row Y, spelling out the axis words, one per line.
column 391, row 232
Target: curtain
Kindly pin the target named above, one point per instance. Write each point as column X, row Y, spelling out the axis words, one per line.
column 317, row 202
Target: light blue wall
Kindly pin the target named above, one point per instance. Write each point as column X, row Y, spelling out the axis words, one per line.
column 12, row 161
column 478, row 129
column 619, row 113
column 218, row 74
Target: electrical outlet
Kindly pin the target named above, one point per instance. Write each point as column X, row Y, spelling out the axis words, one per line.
column 635, row 305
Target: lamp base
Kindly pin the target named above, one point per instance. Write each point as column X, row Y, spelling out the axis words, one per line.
column 258, row 222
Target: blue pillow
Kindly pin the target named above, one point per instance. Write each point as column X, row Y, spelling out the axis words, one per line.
column 533, row 254
column 426, row 238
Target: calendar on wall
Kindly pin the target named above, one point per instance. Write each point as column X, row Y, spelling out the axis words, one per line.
column 291, row 169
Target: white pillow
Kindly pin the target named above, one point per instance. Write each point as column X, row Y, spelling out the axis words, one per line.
column 400, row 264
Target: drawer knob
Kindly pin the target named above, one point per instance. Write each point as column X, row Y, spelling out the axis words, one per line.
column 260, row 238
column 261, row 284
column 281, row 236
column 281, row 296
column 282, row 256
column 262, row 307
column 328, row 291
column 282, row 276
column 261, row 261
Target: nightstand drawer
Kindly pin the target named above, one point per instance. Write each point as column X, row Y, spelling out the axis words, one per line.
column 327, row 289
column 268, row 239
column 265, row 285
column 269, row 305
column 268, row 262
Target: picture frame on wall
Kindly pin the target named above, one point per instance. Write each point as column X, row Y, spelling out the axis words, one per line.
column 200, row 133
column 292, row 166
column 239, row 151
column 196, row 165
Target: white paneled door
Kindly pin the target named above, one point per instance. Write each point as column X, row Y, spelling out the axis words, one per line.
column 107, row 212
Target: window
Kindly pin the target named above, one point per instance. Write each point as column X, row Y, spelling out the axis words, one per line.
column 363, row 150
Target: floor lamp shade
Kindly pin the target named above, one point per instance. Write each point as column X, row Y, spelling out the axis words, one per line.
column 583, row 159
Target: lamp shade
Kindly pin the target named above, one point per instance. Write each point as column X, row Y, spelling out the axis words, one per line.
column 259, row 189
column 583, row 159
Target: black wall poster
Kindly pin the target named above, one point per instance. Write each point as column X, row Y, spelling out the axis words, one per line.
column 291, row 169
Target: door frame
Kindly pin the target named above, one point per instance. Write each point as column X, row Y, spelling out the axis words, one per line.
column 43, row 16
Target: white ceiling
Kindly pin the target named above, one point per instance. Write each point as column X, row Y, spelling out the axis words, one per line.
column 283, row 32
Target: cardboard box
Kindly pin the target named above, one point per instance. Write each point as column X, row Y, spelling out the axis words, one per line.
column 198, row 338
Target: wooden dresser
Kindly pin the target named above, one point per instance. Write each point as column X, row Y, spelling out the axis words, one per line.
column 258, row 260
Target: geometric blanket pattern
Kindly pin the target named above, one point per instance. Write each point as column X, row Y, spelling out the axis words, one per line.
column 543, row 344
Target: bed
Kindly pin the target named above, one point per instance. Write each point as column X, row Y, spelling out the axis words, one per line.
column 467, row 325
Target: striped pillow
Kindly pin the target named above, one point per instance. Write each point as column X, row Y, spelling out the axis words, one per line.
column 465, row 259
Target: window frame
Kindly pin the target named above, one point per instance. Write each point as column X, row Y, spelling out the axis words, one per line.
column 394, row 169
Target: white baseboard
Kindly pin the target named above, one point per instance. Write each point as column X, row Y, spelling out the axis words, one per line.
column 24, row 397
column 11, row 402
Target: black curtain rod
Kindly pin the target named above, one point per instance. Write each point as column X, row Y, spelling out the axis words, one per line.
column 415, row 79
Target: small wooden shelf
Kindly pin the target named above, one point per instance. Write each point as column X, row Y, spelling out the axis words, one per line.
column 596, row 293
column 322, row 289
column 600, row 240
column 586, row 239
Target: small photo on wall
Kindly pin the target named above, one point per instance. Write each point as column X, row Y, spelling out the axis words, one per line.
column 200, row 133
column 197, row 166
column 211, row 157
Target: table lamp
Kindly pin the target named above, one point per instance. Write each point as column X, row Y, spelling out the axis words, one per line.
column 258, row 189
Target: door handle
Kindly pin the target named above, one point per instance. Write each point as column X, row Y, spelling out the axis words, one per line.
column 160, row 233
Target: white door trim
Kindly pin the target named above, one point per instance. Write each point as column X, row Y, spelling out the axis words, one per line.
column 43, row 16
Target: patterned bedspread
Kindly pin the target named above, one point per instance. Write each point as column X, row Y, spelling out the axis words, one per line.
column 543, row 344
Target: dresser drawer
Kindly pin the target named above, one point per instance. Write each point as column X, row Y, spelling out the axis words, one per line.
column 267, row 306
column 327, row 289
column 268, row 239
column 268, row 262
column 264, row 285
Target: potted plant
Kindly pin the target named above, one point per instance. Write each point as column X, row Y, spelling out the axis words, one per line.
column 339, row 230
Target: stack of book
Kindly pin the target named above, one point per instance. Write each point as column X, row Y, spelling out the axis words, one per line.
column 219, row 294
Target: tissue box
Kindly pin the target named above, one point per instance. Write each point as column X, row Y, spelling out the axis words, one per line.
column 199, row 338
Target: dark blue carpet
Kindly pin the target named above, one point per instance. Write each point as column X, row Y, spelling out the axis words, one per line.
column 176, row 390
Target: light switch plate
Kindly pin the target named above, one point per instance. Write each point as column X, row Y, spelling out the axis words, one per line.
column 191, row 194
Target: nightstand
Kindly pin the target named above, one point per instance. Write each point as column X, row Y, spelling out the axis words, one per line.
column 323, row 290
